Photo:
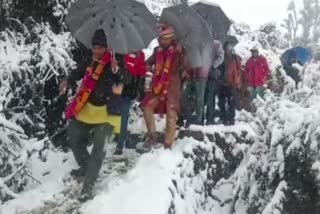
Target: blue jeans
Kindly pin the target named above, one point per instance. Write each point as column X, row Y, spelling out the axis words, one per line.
column 124, row 111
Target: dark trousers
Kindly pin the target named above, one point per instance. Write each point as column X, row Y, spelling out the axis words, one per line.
column 80, row 136
column 229, row 101
column 193, row 101
column 293, row 73
column 124, row 111
column 212, row 90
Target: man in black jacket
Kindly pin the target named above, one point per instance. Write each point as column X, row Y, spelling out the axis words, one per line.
column 91, row 113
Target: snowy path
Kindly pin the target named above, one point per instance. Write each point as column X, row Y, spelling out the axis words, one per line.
column 58, row 192
column 152, row 181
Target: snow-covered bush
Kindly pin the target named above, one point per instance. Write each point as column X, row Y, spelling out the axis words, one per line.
column 29, row 57
column 273, row 169
column 13, row 159
column 28, row 61
column 285, row 171
column 42, row 11
column 271, row 37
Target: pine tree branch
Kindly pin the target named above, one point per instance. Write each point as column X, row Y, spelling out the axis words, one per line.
column 20, row 169
column 7, row 190
column 15, row 130
column 18, row 108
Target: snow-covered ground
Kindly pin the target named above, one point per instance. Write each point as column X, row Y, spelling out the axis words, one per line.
column 208, row 176
column 174, row 181
column 253, row 167
column 50, row 173
column 147, row 186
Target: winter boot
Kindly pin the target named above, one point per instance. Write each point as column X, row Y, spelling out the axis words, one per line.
column 84, row 197
column 78, row 173
column 118, row 152
column 86, row 193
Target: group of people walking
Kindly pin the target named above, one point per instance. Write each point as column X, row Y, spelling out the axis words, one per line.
column 226, row 80
column 110, row 84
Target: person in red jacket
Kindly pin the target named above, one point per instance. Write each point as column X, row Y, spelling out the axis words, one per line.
column 133, row 78
column 257, row 72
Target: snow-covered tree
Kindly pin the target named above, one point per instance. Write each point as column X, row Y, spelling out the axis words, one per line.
column 271, row 37
column 292, row 22
column 308, row 21
column 31, row 55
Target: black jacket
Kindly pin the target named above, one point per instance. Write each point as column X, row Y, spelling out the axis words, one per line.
column 102, row 95
column 133, row 86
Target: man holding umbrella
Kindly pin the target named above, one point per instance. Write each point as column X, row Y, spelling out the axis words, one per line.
column 168, row 61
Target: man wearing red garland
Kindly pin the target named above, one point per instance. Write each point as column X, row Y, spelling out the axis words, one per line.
column 168, row 63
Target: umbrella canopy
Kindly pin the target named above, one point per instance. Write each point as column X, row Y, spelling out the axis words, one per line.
column 128, row 24
column 216, row 19
column 192, row 32
column 300, row 54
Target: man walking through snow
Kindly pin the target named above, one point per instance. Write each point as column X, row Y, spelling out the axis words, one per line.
column 168, row 61
column 90, row 114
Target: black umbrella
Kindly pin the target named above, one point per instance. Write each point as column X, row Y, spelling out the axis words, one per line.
column 128, row 24
column 216, row 19
column 192, row 32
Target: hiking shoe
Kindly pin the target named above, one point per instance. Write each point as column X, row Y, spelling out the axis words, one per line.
column 118, row 152
column 84, row 197
column 86, row 193
column 180, row 122
column 77, row 173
